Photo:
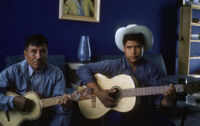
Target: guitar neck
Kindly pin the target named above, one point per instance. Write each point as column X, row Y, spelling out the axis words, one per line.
column 47, row 102
column 149, row 90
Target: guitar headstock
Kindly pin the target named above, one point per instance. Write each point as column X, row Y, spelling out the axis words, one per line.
column 83, row 93
column 192, row 88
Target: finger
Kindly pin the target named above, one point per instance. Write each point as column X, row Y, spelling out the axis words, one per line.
column 172, row 87
column 30, row 101
column 166, row 93
column 65, row 101
column 27, row 102
column 114, row 104
column 75, row 92
column 59, row 101
column 109, row 98
column 69, row 104
column 65, row 95
column 91, row 91
column 30, row 104
column 170, row 93
column 108, row 103
column 23, row 109
column 110, row 90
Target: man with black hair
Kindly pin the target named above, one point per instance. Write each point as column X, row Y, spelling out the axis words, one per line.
column 35, row 74
column 133, row 40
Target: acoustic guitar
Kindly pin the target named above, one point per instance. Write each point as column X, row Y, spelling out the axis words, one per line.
column 126, row 93
column 16, row 117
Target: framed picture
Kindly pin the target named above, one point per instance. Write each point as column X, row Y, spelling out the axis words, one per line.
column 79, row 10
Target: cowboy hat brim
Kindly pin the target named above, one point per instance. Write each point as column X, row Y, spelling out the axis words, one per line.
column 148, row 36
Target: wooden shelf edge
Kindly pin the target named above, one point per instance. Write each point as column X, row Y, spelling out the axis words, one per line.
column 195, row 24
column 194, row 57
column 195, row 6
column 74, row 66
column 194, row 40
column 194, row 75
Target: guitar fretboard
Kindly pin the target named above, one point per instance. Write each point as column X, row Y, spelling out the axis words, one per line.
column 149, row 90
column 47, row 102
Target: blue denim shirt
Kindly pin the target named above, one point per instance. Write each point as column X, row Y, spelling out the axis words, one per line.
column 16, row 78
column 146, row 73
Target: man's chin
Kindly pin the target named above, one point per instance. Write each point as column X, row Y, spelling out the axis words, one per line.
column 133, row 60
column 38, row 67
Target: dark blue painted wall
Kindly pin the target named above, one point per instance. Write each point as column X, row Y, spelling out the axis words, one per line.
column 20, row 18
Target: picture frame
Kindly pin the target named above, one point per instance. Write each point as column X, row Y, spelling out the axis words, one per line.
column 80, row 10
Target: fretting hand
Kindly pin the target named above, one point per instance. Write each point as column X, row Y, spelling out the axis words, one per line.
column 65, row 102
column 169, row 98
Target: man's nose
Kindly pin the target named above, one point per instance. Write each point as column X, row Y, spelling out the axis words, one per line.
column 133, row 50
column 38, row 55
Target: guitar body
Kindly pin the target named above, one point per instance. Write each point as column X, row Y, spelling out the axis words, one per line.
column 124, row 104
column 17, row 117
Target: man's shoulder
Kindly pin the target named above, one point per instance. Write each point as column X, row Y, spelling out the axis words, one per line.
column 114, row 59
column 148, row 63
column 17, row 67
column 151, row 66
column 51, row 67
column 109, row 61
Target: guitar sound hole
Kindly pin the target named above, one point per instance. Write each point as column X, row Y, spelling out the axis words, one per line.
column 116, row 94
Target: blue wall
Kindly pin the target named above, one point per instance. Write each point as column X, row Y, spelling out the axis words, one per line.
column 20, row 18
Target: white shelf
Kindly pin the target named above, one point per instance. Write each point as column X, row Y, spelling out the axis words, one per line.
column 195, row 75
column 194, row 57
column 74, row 66
column 195, row 7
column 194, row 40
column 195, row 24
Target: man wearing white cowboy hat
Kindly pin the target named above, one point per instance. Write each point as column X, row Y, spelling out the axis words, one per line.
column 133, row 40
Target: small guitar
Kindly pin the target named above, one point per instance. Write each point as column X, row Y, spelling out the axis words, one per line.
column 15, row 117
column 126, row 93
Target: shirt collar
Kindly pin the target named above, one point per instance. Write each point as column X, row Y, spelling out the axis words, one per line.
column 32, row 71
column 127, row 65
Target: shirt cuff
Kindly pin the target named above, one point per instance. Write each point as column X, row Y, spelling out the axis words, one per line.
column 10, row 102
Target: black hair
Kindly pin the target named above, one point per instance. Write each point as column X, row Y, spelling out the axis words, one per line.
column 36, row 40
column 138, row 37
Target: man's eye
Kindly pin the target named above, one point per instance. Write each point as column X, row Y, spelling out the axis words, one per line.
column 33, row 51
column 43, row 51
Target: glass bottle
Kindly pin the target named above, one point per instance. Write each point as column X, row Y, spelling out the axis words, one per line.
column 84, row 52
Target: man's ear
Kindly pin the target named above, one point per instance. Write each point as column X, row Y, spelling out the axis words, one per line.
column 142, row 51
column 47, row 52
column 25, row 53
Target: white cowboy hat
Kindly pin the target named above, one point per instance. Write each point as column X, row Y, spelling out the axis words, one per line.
column 148, row 36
